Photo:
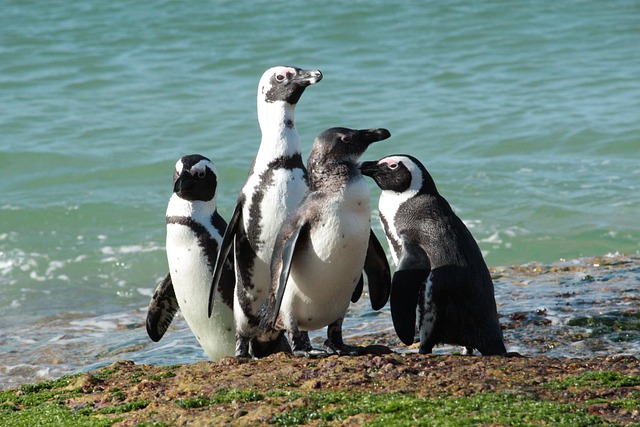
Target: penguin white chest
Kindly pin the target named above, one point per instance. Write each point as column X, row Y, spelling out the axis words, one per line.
column 327, row 272
column 270, row 197
column 191, row 276
column 388, row 206
column 343, row 225
column 188, row 264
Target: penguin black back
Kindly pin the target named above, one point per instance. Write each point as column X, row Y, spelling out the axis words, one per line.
column 440, row 267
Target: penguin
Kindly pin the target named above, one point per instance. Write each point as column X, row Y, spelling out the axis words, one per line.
column 322, row 249
column 194, row 234
column 440, row 268
column 275, row 186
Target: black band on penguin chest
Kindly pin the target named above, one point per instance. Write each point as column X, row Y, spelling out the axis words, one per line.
column 254, row 230
column 209, row 246
column 397, row 246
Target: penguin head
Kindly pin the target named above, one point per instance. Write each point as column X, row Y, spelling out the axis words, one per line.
column 343, row 144
column 195, row 178
column 400, row 173
column 285, row 84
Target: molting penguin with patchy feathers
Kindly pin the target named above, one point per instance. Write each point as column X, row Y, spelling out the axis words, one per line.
column 194, row 233
column 323, row 247
column 274, row 188
column 440, row 268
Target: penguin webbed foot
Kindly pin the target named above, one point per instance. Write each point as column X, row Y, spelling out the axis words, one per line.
column 425, row 348
column 301, row 345
column 242, row 347
column 467, row 351
column 342, row 349
column 313, row 353
column 335, row 344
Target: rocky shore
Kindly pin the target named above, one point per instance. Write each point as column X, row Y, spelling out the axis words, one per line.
column 586, row 307
column 377, row 389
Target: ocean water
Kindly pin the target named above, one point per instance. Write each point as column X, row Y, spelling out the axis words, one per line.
column 527, row 114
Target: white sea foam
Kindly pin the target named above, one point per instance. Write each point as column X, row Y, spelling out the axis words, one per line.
column 472, row 223
column 493, row 239
column 147, row 292
column 131, row 249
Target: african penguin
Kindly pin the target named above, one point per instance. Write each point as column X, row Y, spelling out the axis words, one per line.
column 322, row 249
column 276, row 184
column 194, row 233
column 440, row 269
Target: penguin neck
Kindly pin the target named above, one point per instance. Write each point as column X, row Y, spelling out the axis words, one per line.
column 330, row 176
column 200, row 211
column 280, row 137
column 390, row 201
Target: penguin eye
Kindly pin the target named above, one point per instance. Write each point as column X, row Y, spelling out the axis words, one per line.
column 393, row 166
column 280, row 77
column 201, row 174
column 345, row 138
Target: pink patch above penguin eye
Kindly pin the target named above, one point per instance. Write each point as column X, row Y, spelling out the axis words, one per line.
column 390, row 162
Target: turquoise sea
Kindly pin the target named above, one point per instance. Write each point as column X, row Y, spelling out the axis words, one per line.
column 527, row 114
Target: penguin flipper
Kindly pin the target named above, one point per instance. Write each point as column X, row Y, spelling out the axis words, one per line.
column 357, row 292
column 223, row 254
column 378, row 273
column 282, row 257
column 413, row 269
column 162, row 308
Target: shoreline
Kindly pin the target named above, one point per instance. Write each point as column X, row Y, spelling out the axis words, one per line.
column 373, row 389
column 383, row 388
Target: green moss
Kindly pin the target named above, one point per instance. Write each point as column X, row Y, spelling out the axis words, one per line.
column 48, row 385
column 117, row 394
column 105, row 373
column 30, row 395
column 221, row 396
column 50, row 414
column 192, row 402
column 629, row 403
column 136, row 376
column 604, row 379
column 162, row 376
column 125, row 407
column 408, row 410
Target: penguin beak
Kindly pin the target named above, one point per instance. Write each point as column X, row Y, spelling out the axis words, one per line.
column 369, row 136
column 305, row 78
column 183, row 184
column 368, row 168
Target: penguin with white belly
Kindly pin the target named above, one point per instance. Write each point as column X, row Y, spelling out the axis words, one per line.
column 440, row 268
column 323, row 247
column 194, row 233
column 274, row 188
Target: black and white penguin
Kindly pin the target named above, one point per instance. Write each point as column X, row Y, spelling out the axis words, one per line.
column 194, row 234
column 440, row 269
column 322, row 249
column 274, row 188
